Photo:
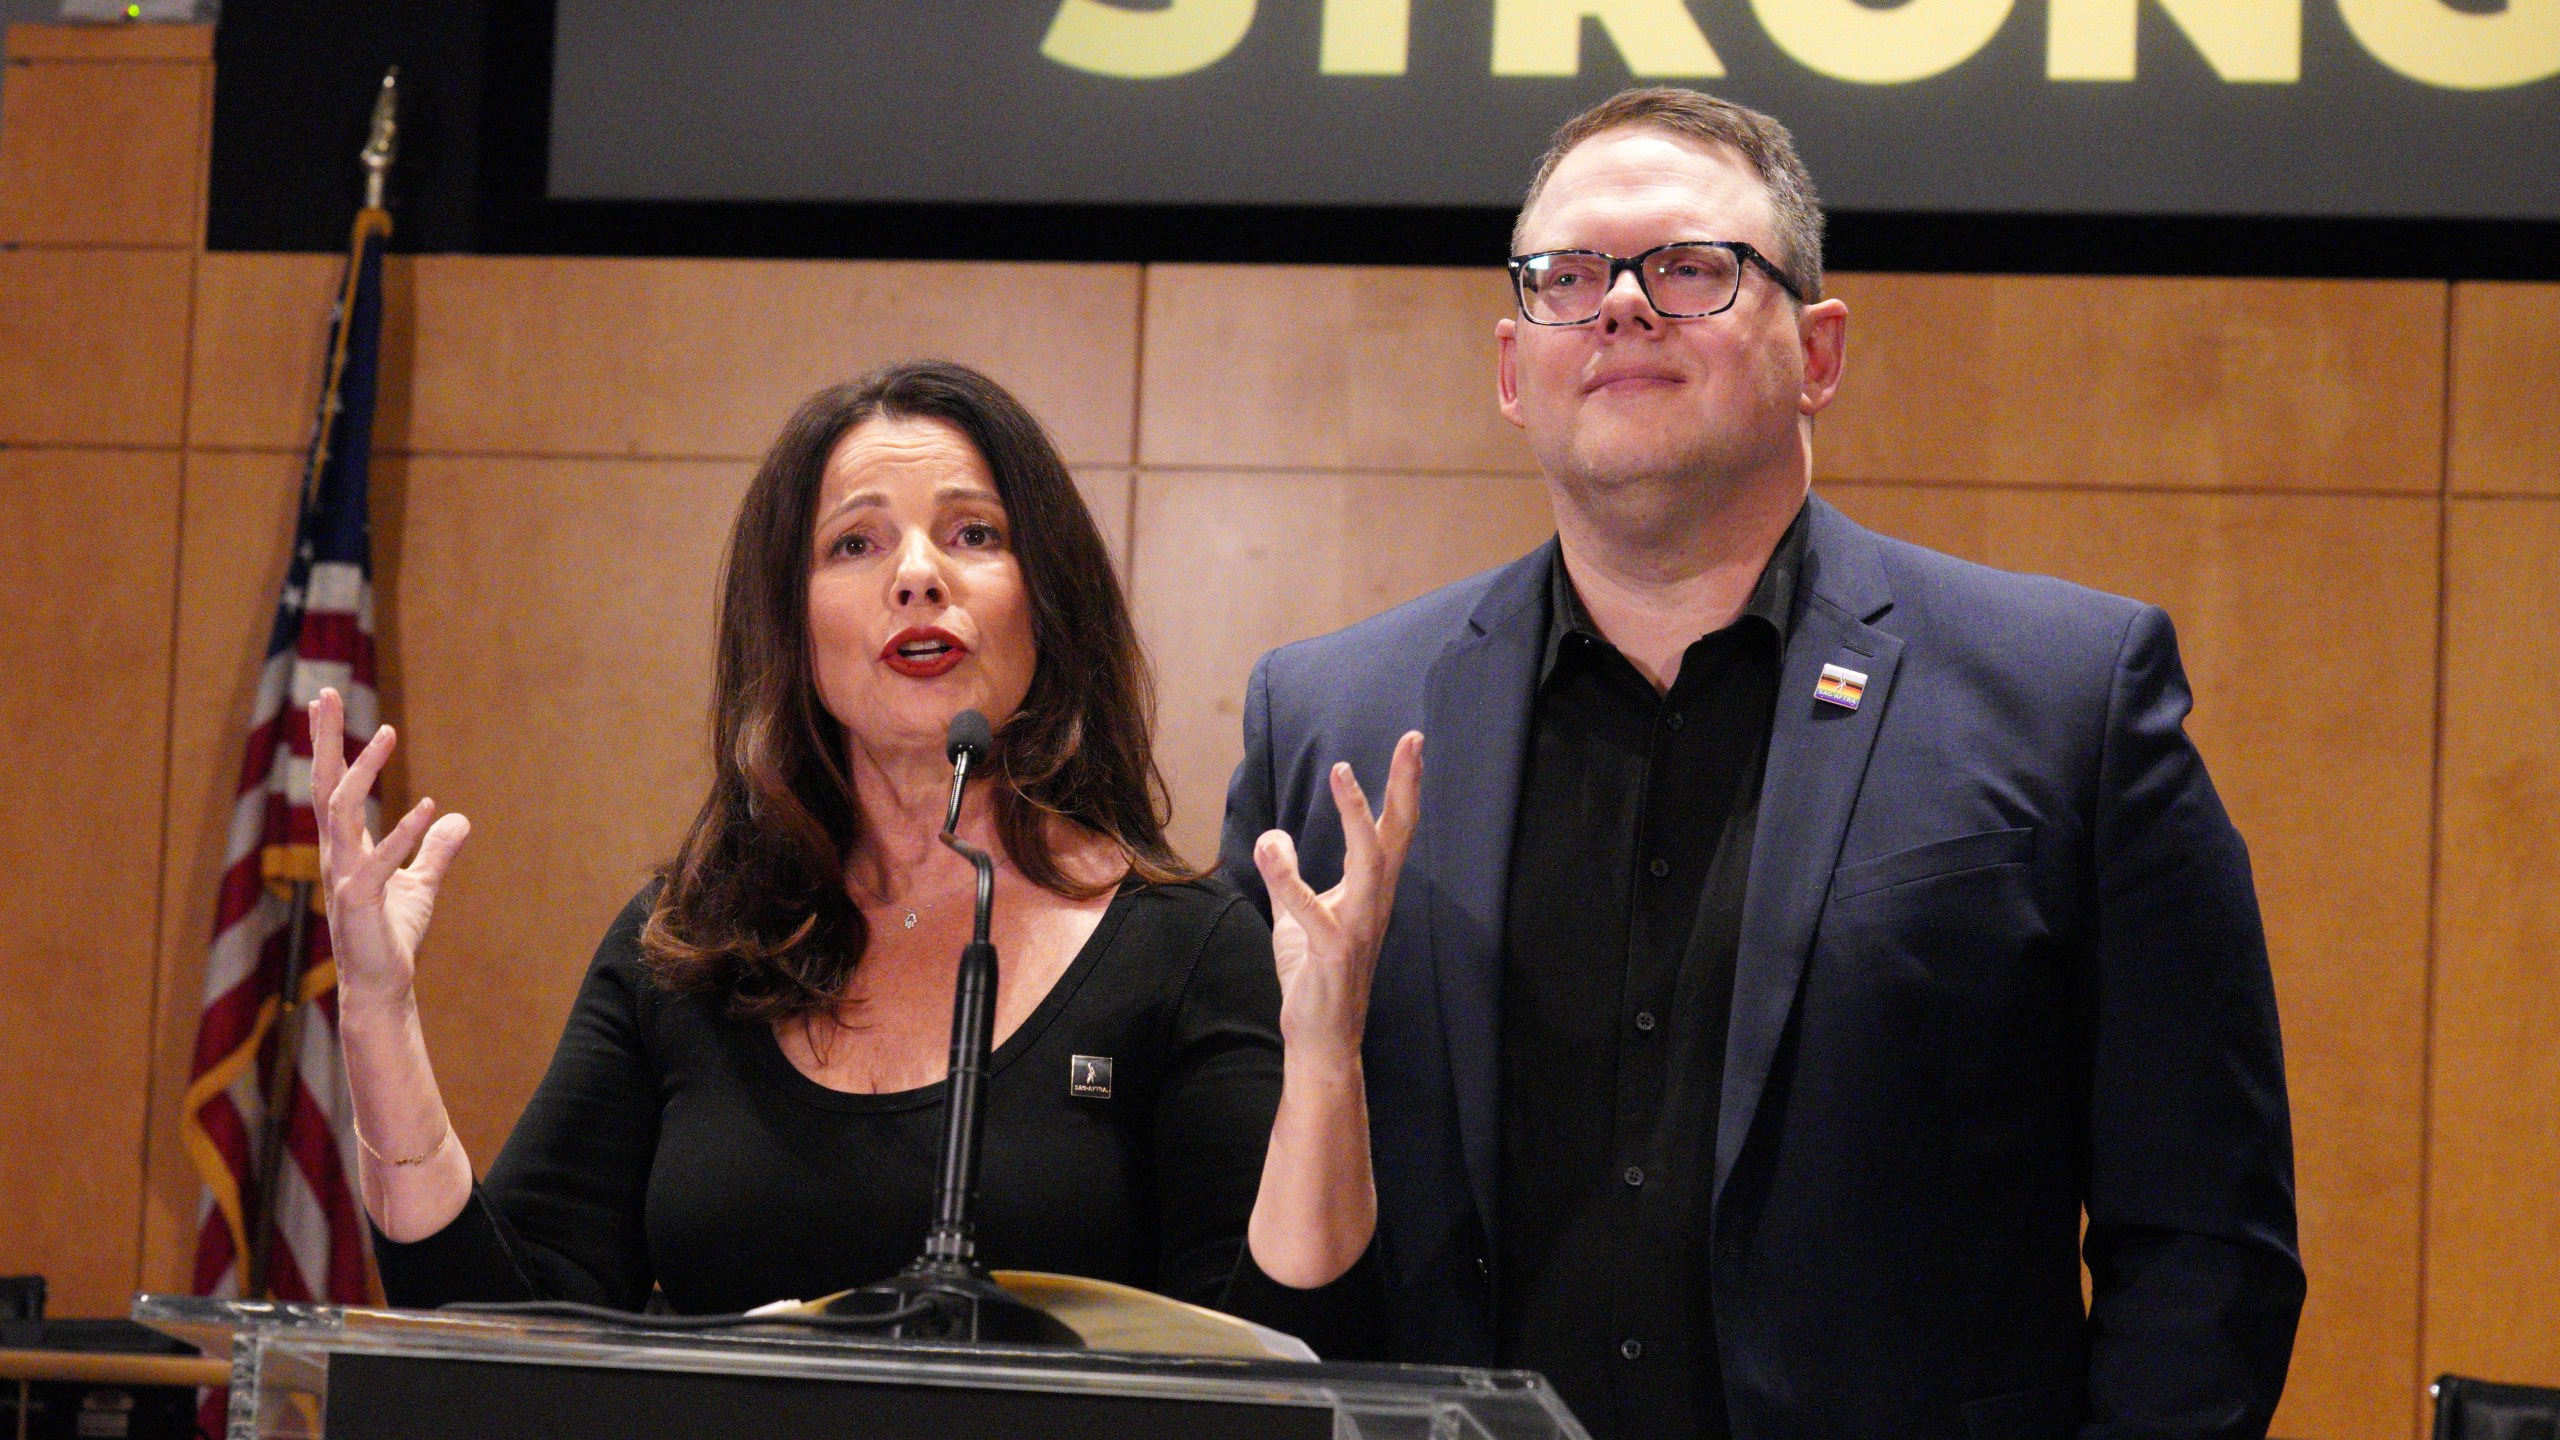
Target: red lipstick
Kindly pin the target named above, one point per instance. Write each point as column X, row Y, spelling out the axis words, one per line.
column 923, row 651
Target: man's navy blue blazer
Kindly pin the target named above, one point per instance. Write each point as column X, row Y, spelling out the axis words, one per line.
column 2000, row 962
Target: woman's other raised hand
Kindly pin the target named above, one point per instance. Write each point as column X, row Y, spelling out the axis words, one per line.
column 1327, row 945
column 1318, row 1206
column 378, row 908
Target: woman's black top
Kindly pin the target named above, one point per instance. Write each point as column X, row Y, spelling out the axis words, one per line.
column 672, row 1146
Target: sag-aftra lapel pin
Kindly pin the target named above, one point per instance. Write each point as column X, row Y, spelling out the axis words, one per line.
column 1841, row 686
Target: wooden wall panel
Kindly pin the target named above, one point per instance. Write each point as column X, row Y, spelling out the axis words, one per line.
column 2314, row 384
column 1107, row 493
column 154, row 42
column 2493, row 1178
column 93, row 346
column 230, row 563
column 1229, row 565
column 261, row 330
column 2020, row 380
column 2506, row 390
column 2315, row 709
column 1323, row 368
column 260, row 323
column 704, row 359
column 548, row 630
column 87, row 577
column 551, row 625
column 104, row 154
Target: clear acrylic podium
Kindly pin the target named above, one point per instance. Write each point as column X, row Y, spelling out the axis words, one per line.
column 300, row 1372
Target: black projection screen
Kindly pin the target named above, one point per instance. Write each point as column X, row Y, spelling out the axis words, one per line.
column 2444, row 109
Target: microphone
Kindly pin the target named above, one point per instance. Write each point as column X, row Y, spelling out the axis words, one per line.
column 948, row 1291
column 964, row 745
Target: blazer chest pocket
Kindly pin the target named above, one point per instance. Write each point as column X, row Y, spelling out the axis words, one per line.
column 1939, row 857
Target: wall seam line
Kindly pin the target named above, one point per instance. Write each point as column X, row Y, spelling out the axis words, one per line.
column 2143, row 487
column 163, row 917
column 96, row 247
column 2039, row 487
column 2435, row 857
column 161, row 938
column 436, row 452
column 117, row 447
column 2032, row 487
column 31, row 61
column 672, row 457
column 1137, row 434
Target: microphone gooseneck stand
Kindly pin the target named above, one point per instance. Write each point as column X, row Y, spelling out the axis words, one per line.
column 945, row 1293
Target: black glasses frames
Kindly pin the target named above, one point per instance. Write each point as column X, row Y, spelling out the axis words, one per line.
column 1744, row 255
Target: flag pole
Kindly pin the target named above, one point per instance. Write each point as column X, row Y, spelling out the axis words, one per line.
column 380, row 148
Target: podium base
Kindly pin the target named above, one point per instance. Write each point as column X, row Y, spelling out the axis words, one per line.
column 950, row 1303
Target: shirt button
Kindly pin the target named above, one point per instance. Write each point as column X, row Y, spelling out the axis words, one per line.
column 1635, row 1175
column 1631, row 1348
column 1660, row 868
column 1675, row 719
column 1644, row 1020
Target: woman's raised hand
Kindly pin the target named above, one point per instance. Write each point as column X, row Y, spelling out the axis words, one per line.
column 1327, row 945
column 420, row 1179
column 378, row 909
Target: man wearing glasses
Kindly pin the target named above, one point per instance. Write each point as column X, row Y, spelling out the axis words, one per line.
column 1804, row 929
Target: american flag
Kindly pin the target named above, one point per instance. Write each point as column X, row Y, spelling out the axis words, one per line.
column 314, row 1244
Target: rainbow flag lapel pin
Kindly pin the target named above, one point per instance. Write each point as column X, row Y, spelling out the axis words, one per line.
column 1841, row 686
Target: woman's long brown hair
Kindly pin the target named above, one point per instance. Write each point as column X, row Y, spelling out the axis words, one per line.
column 754, row 912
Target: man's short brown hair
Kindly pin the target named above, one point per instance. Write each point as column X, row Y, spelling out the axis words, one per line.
column 1758, row 138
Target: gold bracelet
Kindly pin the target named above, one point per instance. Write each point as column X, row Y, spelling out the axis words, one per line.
column 367, row 1146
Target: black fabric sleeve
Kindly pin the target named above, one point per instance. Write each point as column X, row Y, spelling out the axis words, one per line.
column 560, row 1216
column 1213, row 1112
column 471, row 1258
column 2197, row 1282
column 1212, row 1128
column 1338, row 1321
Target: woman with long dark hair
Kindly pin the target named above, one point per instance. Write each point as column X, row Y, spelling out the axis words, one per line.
column 746, row 1105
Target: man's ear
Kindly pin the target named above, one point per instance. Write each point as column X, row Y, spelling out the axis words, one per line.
column 1823, row 329
column 1506, row 368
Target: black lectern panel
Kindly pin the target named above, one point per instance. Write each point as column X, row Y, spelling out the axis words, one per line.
column 403, row 1397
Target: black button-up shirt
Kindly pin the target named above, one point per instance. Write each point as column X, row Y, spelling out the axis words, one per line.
column 1625, row 908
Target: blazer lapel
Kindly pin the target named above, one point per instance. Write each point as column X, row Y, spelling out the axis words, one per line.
column 1817, row 761
column 1480, row 695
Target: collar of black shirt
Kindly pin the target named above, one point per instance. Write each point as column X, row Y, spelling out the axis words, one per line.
column 1772, row 600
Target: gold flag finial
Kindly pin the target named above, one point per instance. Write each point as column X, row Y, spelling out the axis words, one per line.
column 383, row 144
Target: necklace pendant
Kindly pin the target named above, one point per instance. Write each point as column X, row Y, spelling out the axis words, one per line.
column 911, row 919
